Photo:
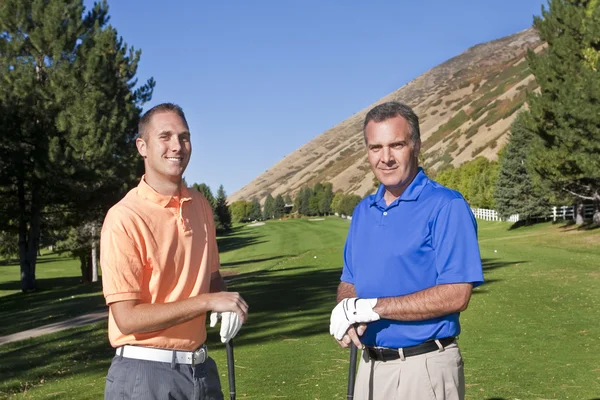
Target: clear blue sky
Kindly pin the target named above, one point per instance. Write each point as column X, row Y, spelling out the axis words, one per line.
column 258, row 79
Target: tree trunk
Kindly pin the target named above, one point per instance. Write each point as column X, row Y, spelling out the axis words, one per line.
column 28, row 236
column 94, row 254
column 578, row 212
column 596, row 217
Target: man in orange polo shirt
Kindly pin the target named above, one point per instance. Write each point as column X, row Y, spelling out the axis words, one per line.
column 160, row 275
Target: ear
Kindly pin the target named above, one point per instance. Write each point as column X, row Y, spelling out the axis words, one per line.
column 417, row 149
column 141, row 146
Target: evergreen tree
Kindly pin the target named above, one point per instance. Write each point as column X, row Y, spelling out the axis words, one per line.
column 287, row 199
column 279, row 206
column 305, row 195
column 256, row 211
column 222, row 212
column 69, row 117
column 564, row 114
column 325, row 199
column 207, row 193
column 515, row 191
column 269, row 207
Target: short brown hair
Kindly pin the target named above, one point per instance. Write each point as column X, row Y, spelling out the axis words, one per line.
column 163, row 107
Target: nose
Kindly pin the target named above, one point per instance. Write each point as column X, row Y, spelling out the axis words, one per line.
column 386, row 155
column 175, row 144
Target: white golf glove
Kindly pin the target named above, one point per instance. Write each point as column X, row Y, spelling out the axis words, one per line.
column 351, row 311
column 230, row 324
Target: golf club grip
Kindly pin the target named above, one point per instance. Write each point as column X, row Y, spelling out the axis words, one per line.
column 230, row 369
column 352, row 371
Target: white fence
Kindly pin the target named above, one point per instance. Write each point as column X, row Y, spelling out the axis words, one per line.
column 554, row 213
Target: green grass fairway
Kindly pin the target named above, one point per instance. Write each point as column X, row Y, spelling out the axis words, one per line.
column 531, row 331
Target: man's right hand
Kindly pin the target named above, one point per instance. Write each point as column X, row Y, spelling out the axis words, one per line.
column 220, row 302
column 353, row 336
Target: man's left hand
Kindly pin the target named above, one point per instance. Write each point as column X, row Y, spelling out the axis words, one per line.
column 230, row 324
column 351, row 311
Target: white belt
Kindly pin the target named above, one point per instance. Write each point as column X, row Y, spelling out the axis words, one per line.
column 164, row 355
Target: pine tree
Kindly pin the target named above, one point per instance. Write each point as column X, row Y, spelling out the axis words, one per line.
column 207, row 193
column 222, row 212
column 256, row 211
column 269, row 207
column 325, row 199
column 515, row 191
column 69, row 117
column 279, row 206
column 564, row 115
column 288, row 200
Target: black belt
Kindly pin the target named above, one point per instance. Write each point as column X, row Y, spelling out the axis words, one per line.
column 386, row 354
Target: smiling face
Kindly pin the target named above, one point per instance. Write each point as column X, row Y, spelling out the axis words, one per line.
column 166, row 147
column 392, row 154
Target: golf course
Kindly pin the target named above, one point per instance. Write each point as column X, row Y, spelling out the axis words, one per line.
column 530, row 332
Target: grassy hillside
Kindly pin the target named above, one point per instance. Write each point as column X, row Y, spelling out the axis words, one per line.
column 465, row 106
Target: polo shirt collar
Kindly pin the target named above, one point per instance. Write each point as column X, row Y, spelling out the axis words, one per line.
column 411, row 193
column 160, row 199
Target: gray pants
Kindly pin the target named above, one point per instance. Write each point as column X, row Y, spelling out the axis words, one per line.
column 130, row 379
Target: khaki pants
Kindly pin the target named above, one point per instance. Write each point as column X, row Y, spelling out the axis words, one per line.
column 437, row 375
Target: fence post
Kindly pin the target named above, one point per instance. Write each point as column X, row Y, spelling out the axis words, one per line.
column 554, row 213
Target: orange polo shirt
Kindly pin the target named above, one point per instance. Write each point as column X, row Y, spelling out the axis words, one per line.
column 158, row 249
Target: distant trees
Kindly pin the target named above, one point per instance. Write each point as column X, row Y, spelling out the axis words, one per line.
column 269, row 207
column 279, row 206
column 475, row 180
column 206, row 192
column 222, row 212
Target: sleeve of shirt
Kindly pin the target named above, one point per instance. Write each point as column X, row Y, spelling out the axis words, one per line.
column 455, row 243
column 120, row 261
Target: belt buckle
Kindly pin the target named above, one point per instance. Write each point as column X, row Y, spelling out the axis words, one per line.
column 199, row 356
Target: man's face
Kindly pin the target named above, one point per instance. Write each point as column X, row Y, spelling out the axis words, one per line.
column 392, row 155
column 166, row 147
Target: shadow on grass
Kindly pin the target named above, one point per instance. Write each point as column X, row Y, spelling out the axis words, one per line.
column 55, row 300
column 571, row 226
column 82, row 351
column 238, row 238
column 256, row 260
column 489, row 264
column 291, row 303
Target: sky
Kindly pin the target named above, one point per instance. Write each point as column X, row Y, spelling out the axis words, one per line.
column 258, row 79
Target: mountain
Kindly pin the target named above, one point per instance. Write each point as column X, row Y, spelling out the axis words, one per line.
column 465, row 107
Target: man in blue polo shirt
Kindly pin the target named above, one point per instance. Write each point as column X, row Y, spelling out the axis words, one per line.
column 410, row 262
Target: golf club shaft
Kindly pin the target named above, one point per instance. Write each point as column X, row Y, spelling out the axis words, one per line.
column 352, row 371
column 230, row 369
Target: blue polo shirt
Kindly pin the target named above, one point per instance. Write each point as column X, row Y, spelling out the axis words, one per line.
column 426, row 237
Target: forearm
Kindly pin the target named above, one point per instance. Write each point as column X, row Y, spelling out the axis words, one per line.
column 135, row 317
column 430, row 303
column 345, row 291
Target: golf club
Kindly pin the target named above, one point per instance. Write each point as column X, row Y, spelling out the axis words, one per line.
column 352, row 371
column 230, row 369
